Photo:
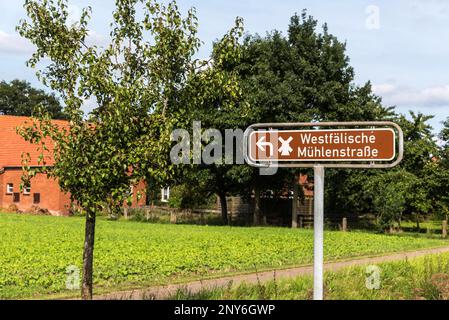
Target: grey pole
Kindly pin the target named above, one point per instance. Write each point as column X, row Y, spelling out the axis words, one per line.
column 318, row 226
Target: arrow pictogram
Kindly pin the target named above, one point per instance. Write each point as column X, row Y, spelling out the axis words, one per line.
column 261, row 144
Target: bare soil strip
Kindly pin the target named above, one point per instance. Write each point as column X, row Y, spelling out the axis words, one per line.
column 162, row 292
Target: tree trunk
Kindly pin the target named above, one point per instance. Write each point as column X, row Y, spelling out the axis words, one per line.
column 88, row 255
column 344, row 224
column 417, row 222
column 257, row 211
column 224, row 208
column 295, row 203
column 444, row 230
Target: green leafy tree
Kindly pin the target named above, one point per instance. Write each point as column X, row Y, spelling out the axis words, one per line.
column 414, row 192
column 303, row 76
column 144, row 82
column 420, row 151
column 389, row 193
column 444, row 137
column 419, row 142
column 222, row 108
column 440, row 166
column 19, row 98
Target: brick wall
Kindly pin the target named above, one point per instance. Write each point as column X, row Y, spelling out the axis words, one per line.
column 140, row 187
column 51, row 197
column 3, row 189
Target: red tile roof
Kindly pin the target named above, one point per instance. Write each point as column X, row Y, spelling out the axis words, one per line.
column 12, row 145
column 307, row 185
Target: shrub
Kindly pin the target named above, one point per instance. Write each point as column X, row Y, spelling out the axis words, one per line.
column 185, row 196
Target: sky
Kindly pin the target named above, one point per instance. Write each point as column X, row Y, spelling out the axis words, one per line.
column 401, row 46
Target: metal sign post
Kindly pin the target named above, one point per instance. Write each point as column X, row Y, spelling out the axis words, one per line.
column 318, row 231
column 364, row 145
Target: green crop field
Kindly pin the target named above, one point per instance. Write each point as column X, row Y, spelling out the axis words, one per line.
column 418, row 279
column 35, row 251
column 427, row 226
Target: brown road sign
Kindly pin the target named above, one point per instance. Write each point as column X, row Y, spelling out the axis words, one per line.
column 322, row 145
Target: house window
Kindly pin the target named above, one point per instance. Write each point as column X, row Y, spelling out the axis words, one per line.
column 36, row 198
column 16, row 197
column 26, row 190
column 9, row 188
column 165, row 194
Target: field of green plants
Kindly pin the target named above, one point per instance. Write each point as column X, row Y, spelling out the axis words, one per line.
column 35, row 251
column 425, row 278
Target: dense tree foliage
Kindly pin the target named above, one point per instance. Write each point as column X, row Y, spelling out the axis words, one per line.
column 389, row 193
column 419, row 167
column 220, row 110
column 440, row 167
column 304, row 76
column 19, row 98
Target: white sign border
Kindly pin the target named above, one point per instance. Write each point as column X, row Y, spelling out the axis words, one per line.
column 322, row 160
column 311, row 163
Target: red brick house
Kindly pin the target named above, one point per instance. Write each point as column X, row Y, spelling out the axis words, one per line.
column 43, row 192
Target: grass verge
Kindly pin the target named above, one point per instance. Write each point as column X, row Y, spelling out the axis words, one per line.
column 421, row 278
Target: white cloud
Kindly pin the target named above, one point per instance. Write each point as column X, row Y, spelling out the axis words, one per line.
column 383, row 89
column 94, row 38
column 74, row 14
column 436, row 9
column 14, row 44
column 435, row 96
column 89, row 105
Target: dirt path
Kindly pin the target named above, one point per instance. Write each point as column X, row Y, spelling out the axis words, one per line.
column 162, row 292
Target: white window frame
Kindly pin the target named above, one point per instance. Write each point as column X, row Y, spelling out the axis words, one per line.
column 165, row 194
column 27, row 190
column 10, row 188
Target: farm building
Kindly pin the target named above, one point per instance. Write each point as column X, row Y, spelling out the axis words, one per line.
column 43, row 192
